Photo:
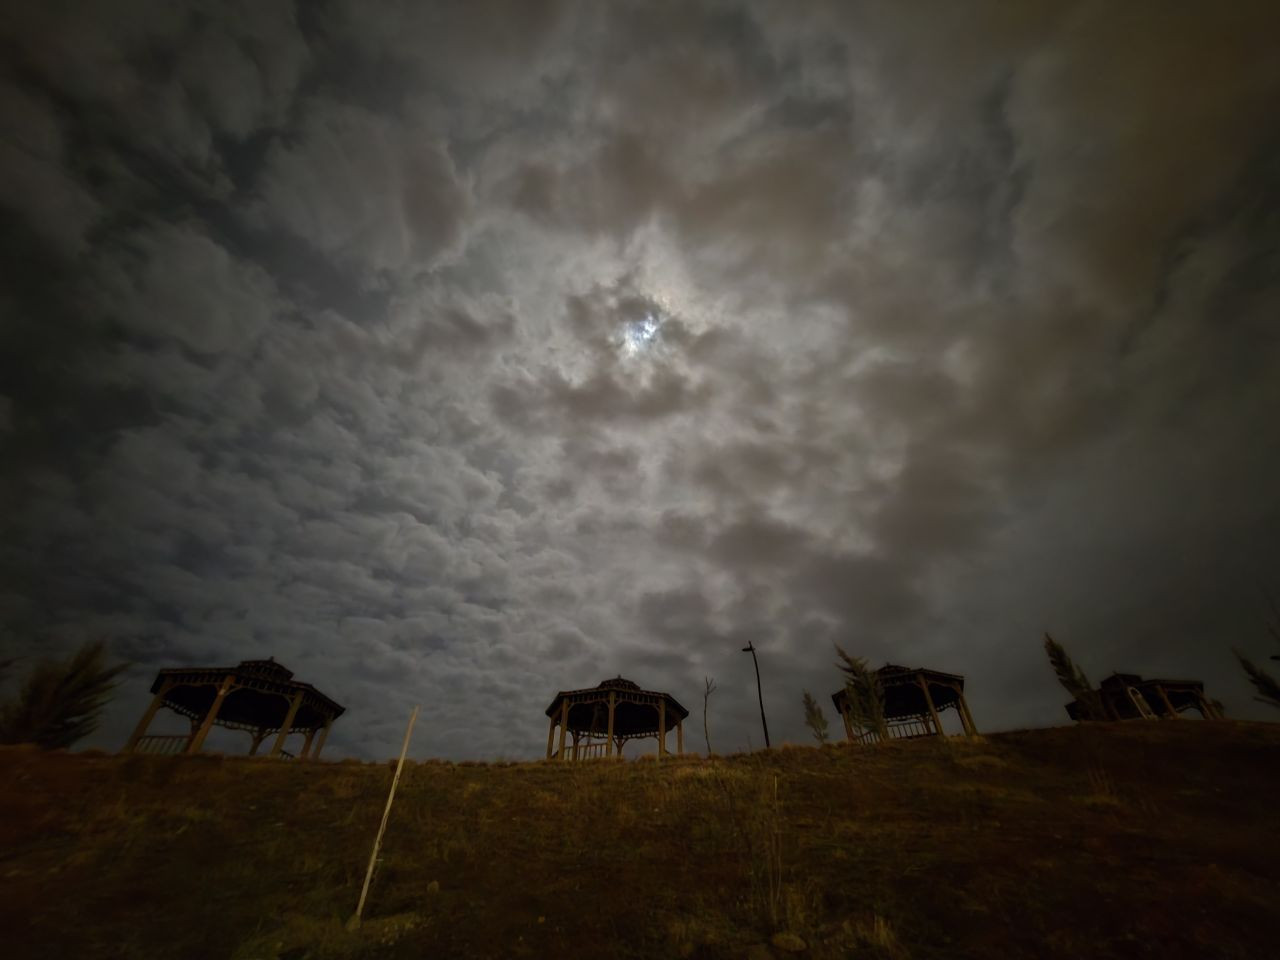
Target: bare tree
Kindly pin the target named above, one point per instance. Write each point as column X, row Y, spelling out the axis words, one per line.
column 60, row 702
column 706, row 695
column 814, row 718
column 865, row 692
column 1074, row 680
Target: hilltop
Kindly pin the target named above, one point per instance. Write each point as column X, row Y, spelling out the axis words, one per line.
column 1120, row 840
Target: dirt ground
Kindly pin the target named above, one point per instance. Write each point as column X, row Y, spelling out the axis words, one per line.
column 1143, row 839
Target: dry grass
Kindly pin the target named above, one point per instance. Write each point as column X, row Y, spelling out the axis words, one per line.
column 1055, row 843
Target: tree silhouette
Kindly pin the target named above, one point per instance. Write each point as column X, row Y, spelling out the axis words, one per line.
column 60, row 702
column 814, row 718
column 865, row 691
column 1074, row 680
column 1267, row 686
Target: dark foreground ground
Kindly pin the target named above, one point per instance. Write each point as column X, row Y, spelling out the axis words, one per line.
column 1131, row 840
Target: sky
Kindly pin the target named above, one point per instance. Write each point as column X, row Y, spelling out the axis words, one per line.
column 455, row 354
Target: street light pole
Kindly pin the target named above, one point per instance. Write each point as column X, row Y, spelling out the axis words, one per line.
column 750, row 648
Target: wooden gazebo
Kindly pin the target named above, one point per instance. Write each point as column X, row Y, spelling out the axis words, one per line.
column 258, row 696
column 1126, row 696
column 913, row 699
column 604, row 717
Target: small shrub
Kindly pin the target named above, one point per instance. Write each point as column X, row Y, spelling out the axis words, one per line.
column 61, row 701
column 815, row 719
column 865, row 692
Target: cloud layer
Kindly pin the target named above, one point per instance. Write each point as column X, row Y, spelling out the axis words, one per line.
column 456, row 354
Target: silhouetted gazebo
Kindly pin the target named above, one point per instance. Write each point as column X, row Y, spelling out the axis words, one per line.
column 1126, row 696
column 913, row 699
column 258, row 696
column 614, row 711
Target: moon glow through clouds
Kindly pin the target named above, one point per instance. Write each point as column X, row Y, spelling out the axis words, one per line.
column 639, row 335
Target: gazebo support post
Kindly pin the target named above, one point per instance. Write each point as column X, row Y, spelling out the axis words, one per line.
column 551, row 737
column 576, row 735
column 679, row 738
column 1164, row 698
column 662, row 728
column 306, row 744
column 613, row 702
column 933, row 711
column 564, row 723
column 848, row 727
column 258, row 736
column 324, row 735
column 144, row 724
column 197, row 741
column 970, row 728
column 287, row 726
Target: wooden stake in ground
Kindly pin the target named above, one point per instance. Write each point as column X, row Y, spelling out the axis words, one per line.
column 354, row 922
column 711, row 688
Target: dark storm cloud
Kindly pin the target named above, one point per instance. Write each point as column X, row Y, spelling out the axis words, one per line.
column 457, row 353
column 404, row 206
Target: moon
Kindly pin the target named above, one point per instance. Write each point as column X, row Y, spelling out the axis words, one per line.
column 639, row 335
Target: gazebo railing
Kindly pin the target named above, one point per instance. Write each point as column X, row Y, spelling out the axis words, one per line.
column 586, row 751
column 163, row 743
column 898, row 730
column 906, row 729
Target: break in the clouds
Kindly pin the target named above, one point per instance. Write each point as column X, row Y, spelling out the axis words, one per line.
column 458, row 353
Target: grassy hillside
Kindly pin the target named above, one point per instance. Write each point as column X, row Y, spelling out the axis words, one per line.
column 1127, row 840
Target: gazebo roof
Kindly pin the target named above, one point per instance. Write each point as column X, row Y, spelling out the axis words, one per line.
column 259, row 700
column 903, row 696
column 1120, row 680
column 617, row 683
column 635, row 712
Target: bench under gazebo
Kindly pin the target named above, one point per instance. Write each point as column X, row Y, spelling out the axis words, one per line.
column 601, row 719
column 257, row 696
column 914, row 699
